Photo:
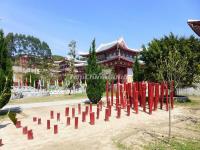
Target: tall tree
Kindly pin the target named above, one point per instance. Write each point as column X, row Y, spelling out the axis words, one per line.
column 95, row 82
column 5, row 71
column 158, row 49
column 138, row 74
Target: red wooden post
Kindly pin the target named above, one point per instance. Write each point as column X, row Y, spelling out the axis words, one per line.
column 39, row 121
column 128, row 110
column 86, row 110
column 18, row 124
column 121, row 95
column 156, row 96
column 24, row 130
column 110, row 110
column 150, row 98
column 52, row 114
column 98, row 111
column 118, row 112
column 92, row 118
column 79, row 108
column 55, row 129
column 136, row 102
column 48, row 124
column 106, row 114
column 112, row 90
column 90, row 107
column 83, row 116
column 34, row 119
column 76, row 123
column 73, row 112
column 68, row 121
column 58, row 116
column 67, row 111
column 144, row 97
column 30, row 135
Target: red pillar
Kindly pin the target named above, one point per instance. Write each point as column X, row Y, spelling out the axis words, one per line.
column 18, row 124
column 30, row 135
column 106, row 114
column 68, row 121
column 136, row 102
column 79, row 108
column 128, row 110
column 52, row 114
column 161, row 95
column 156, row 96
column 39, row 121
column 83, row 116
column 98, row 111
column 73, row 112
column 34, row 119
column 25, row 130
column 55, row 129
column 150, row 97
column 86, row 110
column 76, row 123
column 48, row 124
column 144, row 97
column 58, row 116
column 67, row 111
column 118, row 112
column 92, row 119
column 90, row 107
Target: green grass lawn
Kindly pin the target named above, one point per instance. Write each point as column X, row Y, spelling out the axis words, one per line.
column 48, row 98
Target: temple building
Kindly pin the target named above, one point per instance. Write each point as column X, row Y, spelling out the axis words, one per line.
column 116, row 56
column 195, row 25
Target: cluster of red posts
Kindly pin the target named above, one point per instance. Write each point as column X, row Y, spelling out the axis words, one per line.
column 139, row 94
column 146, row 95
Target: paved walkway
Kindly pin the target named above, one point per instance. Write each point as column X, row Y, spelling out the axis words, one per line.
column 44, row 104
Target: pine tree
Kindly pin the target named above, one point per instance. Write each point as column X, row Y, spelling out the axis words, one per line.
column 138, row 74
column 95, row 82
column 5, row 71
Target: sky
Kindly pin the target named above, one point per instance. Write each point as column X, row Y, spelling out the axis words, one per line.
column 57, row 22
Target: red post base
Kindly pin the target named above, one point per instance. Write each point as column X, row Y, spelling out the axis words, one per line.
column 18, row 124
column 68, row 121
column 76, row 123
column 73, row 112
column 67, row 111
column 90, row 107
column 58, row 116
column 86, row 110
column 92, row 119
column 107, row 114
column 34, row 119
column 48, row 124
column 39, row 121
column 24, row 130
column 98, row 111
column 79, row 108
column 118, row 112
column 30, row 135
column 55, row 129
column 52, row 114
column 128, row 110
column 83, row 116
